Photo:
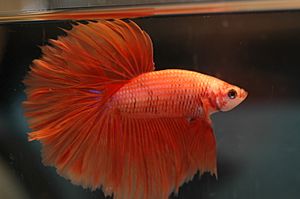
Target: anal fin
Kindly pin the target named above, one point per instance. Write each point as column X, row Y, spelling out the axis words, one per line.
column 202, row 146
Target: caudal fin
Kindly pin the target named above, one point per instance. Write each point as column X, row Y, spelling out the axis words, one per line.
column 68, row 90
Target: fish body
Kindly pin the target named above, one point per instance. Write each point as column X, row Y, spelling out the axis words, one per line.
column 170, row 93
column 107, row 120
column 165, row 93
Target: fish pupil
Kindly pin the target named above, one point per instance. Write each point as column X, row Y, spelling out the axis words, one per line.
column 232, row 94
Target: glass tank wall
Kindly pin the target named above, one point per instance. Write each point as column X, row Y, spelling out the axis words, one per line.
column 258, row 143
column 35, row 10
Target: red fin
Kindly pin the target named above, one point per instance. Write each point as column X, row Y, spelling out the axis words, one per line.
column 98, row 57
column 131, row 158
column 68, row 90
column 157, row 161
column 84, row 69
column 121, row 50
column 202, row 146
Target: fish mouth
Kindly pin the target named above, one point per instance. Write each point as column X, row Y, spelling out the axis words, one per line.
column 244, row 93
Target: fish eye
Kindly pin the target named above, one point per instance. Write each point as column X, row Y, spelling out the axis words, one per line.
column 232, row 94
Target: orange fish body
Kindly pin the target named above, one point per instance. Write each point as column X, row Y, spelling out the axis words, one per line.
column 107, row 120
column 166, row 93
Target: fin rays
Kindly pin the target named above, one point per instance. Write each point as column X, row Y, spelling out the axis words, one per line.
column 68, row 109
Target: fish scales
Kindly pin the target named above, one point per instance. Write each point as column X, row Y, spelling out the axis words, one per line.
column 172, row 93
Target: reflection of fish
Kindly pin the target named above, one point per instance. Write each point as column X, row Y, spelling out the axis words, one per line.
column 106, row 119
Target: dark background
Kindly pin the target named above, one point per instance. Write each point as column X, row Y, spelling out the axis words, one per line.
column 258, row 142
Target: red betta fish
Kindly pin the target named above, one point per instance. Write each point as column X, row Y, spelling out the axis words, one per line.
column 107, row 120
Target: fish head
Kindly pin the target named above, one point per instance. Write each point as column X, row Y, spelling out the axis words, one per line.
column 229, row 96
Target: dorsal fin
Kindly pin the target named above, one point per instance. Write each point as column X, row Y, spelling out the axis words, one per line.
column 99, row 57
column 121, row 49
